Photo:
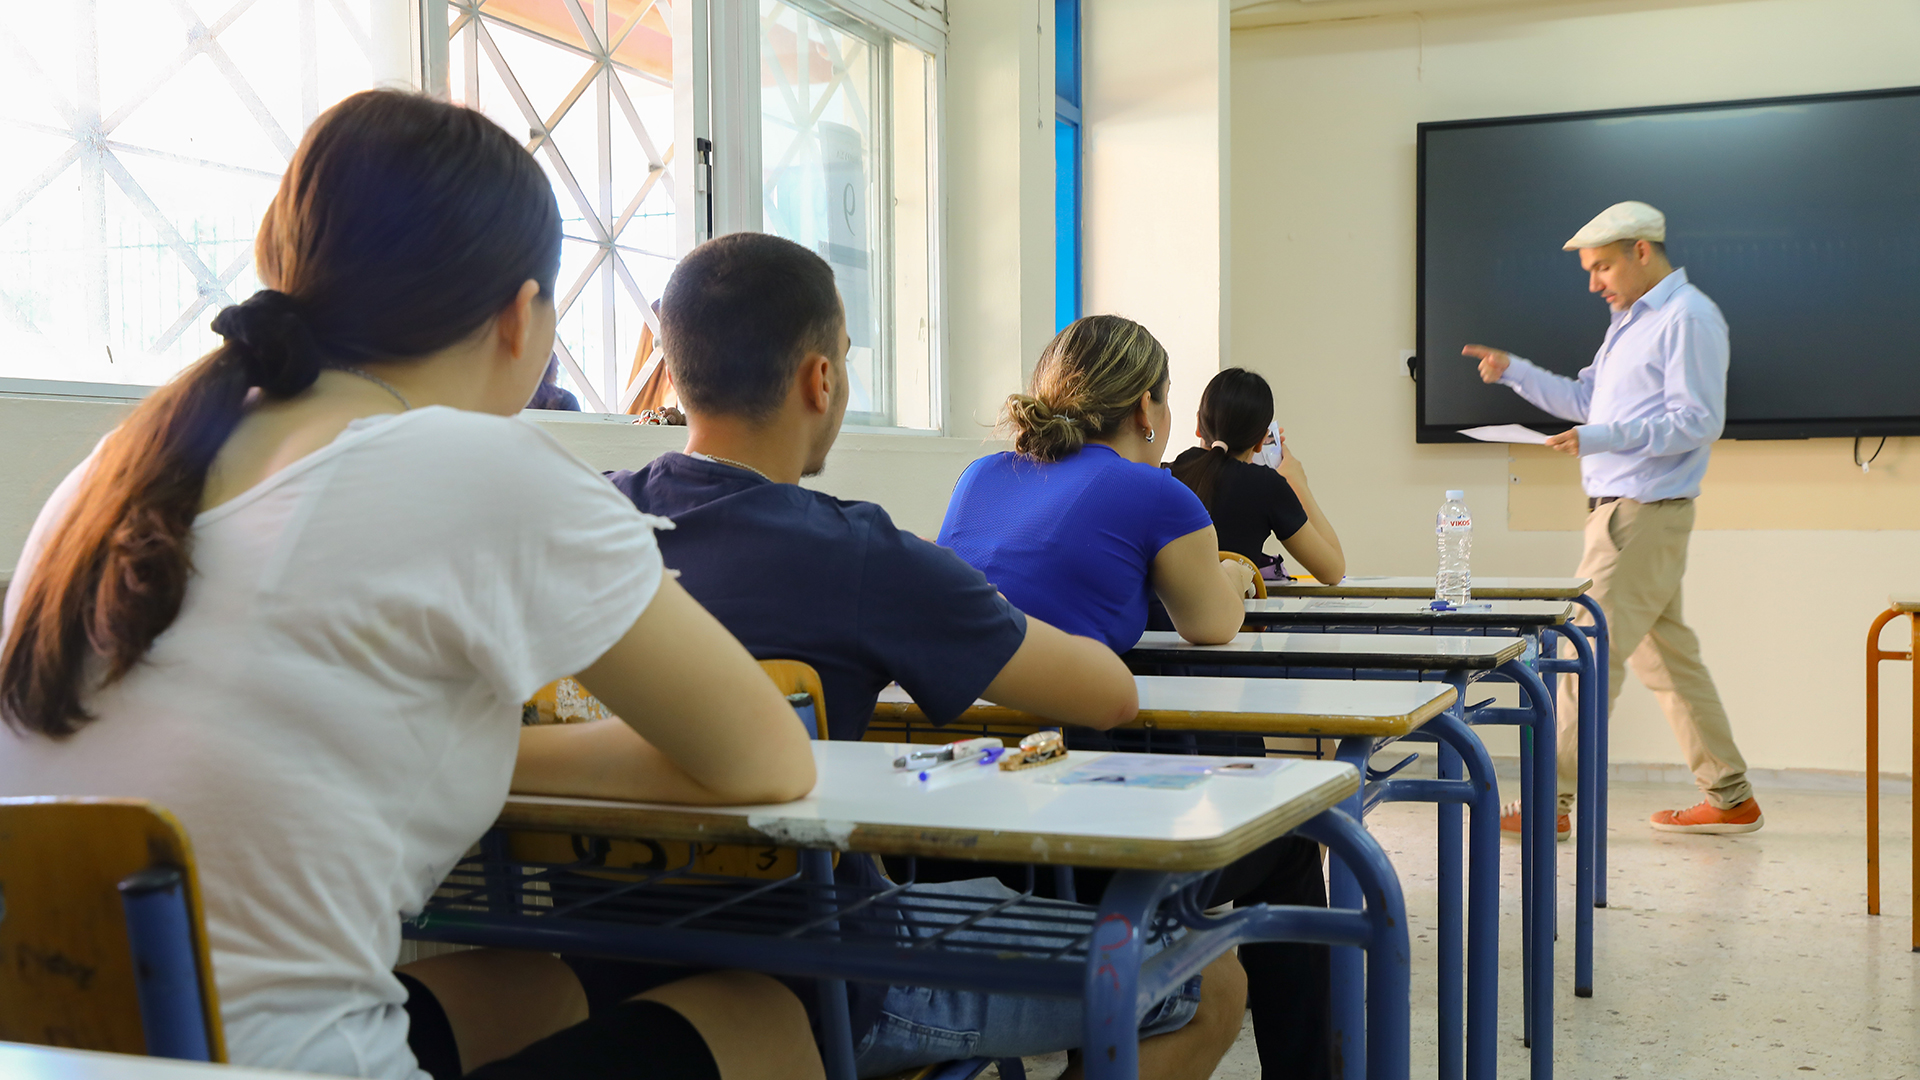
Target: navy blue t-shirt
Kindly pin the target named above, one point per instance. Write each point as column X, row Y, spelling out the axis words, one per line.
column 1072, row 541
column 797, row 575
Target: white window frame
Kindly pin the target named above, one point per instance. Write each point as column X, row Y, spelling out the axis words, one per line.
column 719, row 40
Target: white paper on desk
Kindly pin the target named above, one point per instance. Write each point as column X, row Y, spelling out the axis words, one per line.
column 1505, row 433
column 1328, row 603
column 1167, row 771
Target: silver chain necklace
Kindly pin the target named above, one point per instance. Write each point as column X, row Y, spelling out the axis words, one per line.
column 405, row 405
column 740, row 465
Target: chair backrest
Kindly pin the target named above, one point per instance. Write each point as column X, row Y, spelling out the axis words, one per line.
column 103, row 942
column 795, row 679
column 1259, row 583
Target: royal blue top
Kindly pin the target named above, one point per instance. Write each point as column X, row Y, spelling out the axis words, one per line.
column 1071, row 542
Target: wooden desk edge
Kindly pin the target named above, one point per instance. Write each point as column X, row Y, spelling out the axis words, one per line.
column 1389, row 592
column 1117, row 853
column 1158, row 655
column 1194, row 720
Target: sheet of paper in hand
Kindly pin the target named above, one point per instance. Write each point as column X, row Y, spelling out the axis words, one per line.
column 1505, row 433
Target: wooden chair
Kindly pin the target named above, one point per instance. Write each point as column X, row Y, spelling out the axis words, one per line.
column 1259, row 583
column 1897, row 606
column 102, row 931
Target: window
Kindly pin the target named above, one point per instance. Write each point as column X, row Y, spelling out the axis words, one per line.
column 590, row 82
column 1066, row 162
column 144, row 141
column 147, row 137
column 846, row 138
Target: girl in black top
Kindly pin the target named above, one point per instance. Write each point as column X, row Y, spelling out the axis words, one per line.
column 1250, row 502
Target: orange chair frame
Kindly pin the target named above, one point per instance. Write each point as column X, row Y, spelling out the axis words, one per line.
column 1875, row 654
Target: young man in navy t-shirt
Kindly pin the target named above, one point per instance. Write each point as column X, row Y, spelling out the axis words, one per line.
column 756, row 343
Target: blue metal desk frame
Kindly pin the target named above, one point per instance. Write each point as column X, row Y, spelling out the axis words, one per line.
column 1459, row 748
column 1590, row 666
column 654, row 915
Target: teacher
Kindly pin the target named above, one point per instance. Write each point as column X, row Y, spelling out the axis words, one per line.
column 1649, row 407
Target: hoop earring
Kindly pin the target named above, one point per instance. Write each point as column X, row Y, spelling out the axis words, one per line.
column 1150, row 434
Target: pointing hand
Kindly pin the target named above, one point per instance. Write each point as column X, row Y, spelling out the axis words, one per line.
column 1493, row 362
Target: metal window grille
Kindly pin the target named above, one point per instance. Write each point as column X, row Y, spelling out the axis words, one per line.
column 591, row 84
column 144, row 142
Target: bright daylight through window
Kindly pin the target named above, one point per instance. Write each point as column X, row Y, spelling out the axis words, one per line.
column 147, row 136
column 846, row 132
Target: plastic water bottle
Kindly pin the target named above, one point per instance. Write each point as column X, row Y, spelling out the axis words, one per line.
column 1454, row 527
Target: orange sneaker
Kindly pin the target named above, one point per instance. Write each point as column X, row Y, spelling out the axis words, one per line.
column 1510, row 823
column 1707, row 818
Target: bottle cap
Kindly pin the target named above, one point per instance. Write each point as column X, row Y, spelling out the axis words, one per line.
column 1456, row 496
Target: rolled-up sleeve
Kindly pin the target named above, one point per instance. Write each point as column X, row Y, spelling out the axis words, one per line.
column 1694, row 383
column 1568, row 399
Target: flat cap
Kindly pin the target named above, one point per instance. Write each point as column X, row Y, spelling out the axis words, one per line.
column 1621, row 221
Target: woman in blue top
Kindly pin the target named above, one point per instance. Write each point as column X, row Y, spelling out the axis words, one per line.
column 1077, row 526
column 1079, row 523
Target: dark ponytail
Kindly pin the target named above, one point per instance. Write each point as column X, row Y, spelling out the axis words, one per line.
column 402, row 226
column 1235, row 410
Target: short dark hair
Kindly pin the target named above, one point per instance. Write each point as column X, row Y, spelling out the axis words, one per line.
column 738, row 315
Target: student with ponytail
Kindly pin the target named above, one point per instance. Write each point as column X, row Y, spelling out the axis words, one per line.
column 1249, row 502
column 1079, row 524
column 298, row 596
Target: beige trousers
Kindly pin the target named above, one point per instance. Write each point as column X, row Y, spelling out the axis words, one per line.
column 1636, row 555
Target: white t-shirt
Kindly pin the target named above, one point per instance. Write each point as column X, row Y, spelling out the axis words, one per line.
column 334, row 713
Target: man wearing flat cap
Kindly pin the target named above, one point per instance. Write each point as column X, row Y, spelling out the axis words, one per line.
column 1649, row 407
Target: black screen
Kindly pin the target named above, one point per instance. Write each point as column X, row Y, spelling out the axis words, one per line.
column 1799, row 217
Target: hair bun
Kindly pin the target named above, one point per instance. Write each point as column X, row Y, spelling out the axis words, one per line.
column 1040, row 431
column 271, row 339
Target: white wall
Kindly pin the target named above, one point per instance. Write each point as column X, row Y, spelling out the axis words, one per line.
column 1156, row 176
column 1322, row 287
column 999, row 187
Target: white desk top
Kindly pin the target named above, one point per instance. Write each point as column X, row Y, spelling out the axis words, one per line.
column 1415, row 651
column 1269, row 706
column 861, row 804
column 1383, row 611
column 21, row 1062
column 1421, row 588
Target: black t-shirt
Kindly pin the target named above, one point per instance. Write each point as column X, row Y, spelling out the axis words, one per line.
column 1249, row 502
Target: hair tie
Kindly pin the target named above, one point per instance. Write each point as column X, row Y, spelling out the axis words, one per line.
column 272, row 342
column 1219, row 444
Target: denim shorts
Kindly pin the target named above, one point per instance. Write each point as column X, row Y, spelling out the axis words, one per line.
column 923, row 1026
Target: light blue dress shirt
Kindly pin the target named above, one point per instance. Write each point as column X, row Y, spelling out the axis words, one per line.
column 1653, row 400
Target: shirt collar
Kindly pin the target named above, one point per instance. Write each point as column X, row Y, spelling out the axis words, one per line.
column 1658, row 296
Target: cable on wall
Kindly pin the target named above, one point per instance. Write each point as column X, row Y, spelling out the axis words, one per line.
column 1876, row 452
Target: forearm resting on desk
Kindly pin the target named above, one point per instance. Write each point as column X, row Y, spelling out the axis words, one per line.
column 604, row 759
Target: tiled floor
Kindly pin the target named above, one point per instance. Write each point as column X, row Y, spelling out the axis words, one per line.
column 1732, row 956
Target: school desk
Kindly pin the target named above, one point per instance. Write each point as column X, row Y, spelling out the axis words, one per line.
column 1166, row 843
column 1510, row 588
column 1896, row 607
column 1459, row 661
column 1364, row 717
column 19, row 1061
column 1531, row 617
